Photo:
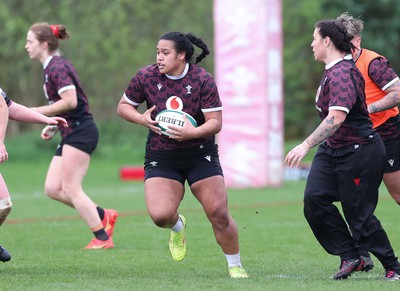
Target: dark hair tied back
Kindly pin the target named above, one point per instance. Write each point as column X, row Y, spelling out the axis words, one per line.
column 199, row 43
column 337, row 33
column 183, row 43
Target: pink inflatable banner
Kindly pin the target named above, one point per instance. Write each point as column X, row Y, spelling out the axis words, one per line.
column 248, row 71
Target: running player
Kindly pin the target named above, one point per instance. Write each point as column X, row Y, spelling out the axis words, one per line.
column 70, row 163
column 188, row 154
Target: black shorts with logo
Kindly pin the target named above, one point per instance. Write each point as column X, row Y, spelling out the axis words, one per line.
column 392, row 156
column 192, row 164
column 84, row 136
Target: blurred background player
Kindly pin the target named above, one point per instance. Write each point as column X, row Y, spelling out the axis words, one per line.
column 189, row 153
column 382, row 90
column 70, row 163
column 15, row 111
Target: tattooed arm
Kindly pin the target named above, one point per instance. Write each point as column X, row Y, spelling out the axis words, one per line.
column 391, row 99
column 328, row 127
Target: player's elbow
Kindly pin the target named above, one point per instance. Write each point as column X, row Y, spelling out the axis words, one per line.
column 74, row 104
column 70, row 105
column 120, row 112
column 217, row 126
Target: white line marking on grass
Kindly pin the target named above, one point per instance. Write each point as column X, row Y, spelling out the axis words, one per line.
column 132, row 189
column 286, row 276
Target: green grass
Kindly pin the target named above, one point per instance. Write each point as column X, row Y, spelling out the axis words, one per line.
column 277, row 247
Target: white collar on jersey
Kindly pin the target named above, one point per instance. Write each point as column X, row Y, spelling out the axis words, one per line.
column 331, row 64
column 47, row 61
column 348, row 57
column 181, row 75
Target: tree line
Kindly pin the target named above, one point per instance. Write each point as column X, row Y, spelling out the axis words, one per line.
column 111, row 40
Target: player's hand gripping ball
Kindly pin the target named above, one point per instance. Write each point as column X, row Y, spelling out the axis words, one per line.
column 172, row 117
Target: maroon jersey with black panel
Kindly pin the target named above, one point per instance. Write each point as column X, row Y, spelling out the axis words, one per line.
column 382, row 74
column 342, row 88
column 59, row 76
column 195, row 88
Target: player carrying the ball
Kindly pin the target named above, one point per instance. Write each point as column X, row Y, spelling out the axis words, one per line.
column 188, row 153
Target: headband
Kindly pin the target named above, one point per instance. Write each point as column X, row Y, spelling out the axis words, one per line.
column 54, row 29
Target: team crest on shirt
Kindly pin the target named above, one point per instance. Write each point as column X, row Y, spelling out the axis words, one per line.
column 174, row 103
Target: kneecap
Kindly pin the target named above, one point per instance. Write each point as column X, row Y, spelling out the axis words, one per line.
column 5, row 209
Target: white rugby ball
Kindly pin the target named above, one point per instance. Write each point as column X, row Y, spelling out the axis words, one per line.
column 172, row 117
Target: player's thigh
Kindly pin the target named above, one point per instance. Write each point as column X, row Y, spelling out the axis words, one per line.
column 163, row 195
column 75, row 164
column 53, row 177
column 211, row 193
column 392, row 183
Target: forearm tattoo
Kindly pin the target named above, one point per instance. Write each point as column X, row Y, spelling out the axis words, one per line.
column 392, row 99
column 327, row 127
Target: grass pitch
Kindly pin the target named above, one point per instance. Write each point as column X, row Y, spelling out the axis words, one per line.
column 278, row 249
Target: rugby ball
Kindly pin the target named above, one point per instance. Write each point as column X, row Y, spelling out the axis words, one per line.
column 172, row 117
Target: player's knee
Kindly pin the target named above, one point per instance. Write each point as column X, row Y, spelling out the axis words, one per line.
column 312, row 207
column 220, row 219
column 160, row 220
column 5, row 209
column 51, row 191
column 308, row 202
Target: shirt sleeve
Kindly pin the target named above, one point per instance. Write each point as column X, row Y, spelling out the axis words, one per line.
column 343, row 94
column 210, row 100
column 381, row 73
column 63, row 79
column 134, row 92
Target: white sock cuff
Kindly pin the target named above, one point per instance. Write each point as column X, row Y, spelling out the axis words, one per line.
column 5, row 203
column 233, row 260
column 178, row 225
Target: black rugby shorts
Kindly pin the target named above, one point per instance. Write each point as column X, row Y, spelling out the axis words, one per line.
column 190, row 164
column 392, row 163
column 84, row 137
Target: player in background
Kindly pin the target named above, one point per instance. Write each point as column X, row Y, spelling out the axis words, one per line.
column 189, row 153
column 382, row 90
column 15, row 111
column 348, row 165
column 70, row 163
